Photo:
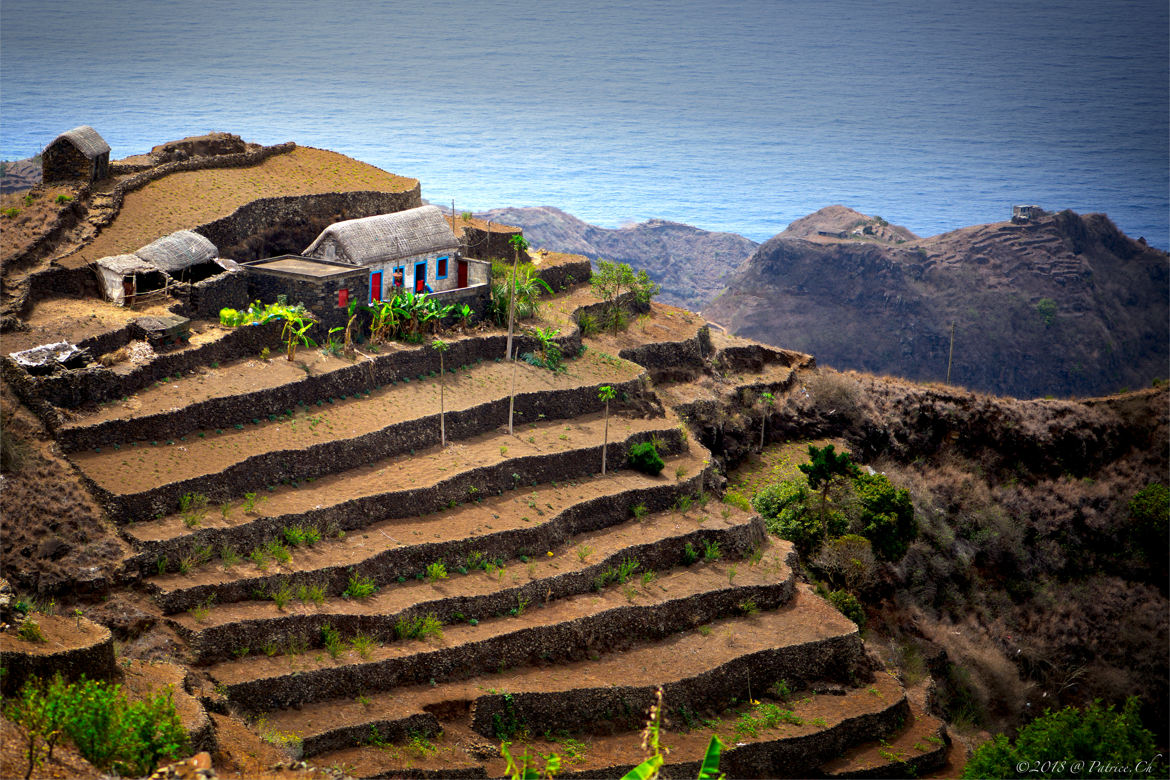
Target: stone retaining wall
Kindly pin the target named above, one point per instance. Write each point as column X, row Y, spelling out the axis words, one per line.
column 624, row 707
column 229, row 410
column 94, row 660
column 216, row 644
column 564, row 275
column 613, row 629
column 361, row 512
column 277, row 466
column 72, row 388
column 672, row 360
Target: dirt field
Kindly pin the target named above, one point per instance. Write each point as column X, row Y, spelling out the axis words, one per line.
column 183, row 200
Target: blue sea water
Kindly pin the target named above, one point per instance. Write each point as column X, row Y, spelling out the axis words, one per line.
column 739, row 116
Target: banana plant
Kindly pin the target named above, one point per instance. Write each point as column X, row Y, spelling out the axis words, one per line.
column 296, row 326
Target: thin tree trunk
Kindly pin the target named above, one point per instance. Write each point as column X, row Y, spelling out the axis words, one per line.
column 512, row 398
column 442, row 394
column 605, row 439
column 512, row 305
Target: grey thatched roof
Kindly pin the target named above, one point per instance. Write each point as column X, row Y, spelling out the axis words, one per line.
column 87, row 141
column 125, row 264
column 179, row 250
column 419, row 231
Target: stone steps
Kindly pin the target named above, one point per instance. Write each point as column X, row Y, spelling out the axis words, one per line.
column 537, row 519
column 141, row 482
column 545, row 630
column 409, row 485
column 657, row 541
column 803, row 640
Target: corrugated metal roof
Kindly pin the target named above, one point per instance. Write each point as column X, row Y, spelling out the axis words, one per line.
column 417, row 231
column 87, row 141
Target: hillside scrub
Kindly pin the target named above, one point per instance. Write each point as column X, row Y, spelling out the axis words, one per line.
column 1038, row 572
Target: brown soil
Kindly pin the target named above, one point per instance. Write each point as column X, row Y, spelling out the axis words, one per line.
column 74, row 320
column 807, row 619
column 671, row 586
column 33, row 219
column 458, row 223
column 67, row 763
column 424, row 468
column 144, row 679
column 920, row 734
column 141, row 466
column 188, row 198
column 61, row 632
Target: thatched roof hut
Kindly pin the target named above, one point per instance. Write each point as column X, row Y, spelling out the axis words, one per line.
column 124, row 277
column 77, row 154
column 179, row 252
column 421, row 231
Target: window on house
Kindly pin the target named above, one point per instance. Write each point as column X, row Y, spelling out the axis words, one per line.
column 342, row 298
column 441, row 268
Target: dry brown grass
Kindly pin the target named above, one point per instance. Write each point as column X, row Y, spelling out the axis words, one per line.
column 189, row 198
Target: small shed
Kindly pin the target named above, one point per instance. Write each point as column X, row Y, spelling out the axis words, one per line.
column 413, row 249
column 184, row 256
column 80, row 154
column 325, row 287
column 125, row 277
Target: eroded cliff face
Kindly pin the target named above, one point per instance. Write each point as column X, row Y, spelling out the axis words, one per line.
column 1065, row 305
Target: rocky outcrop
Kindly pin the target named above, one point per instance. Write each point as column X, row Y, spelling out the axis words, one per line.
column 690, row 264
column 1062, row 305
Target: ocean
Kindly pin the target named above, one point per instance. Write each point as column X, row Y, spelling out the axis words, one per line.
column 736, row 116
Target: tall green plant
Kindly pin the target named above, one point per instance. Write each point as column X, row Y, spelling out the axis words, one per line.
column 519, row 244
column 824, row 469
column 441, row 347
column 768, row 401
column 606, row 394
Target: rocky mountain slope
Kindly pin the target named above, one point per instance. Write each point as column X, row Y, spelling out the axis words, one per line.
column 1063, row 305
column 690, row 264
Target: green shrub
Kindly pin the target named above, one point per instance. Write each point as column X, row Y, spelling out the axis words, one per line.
column 886, row 515
column 113, row 733
column 848, row 605
column 1057, row 741
column 360, row 587
column 736, row 499
column 644, row 457
column 786, row 512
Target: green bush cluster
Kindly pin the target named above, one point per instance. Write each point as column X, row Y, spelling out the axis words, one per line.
column 1056, row 742
column 644, row 457
column 848, row 605
column 113, row 732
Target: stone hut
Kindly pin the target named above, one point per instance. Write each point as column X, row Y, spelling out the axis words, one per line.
column 325, row 286
column 413, row 250
column 80, row 154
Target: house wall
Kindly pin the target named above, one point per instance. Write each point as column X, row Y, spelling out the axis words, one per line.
column 408, row 264
column 62, row 161
column 319, row 295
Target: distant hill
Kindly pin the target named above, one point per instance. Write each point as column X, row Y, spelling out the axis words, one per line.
column 20, row 174
column 690, row 264
column 1063, row 305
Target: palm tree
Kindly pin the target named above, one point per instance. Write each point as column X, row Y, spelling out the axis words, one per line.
column 441, row 346
column 768, row 400
column 607, row 394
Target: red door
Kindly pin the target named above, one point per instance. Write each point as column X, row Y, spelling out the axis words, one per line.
column 462, row 273
column 376, row 286
column 420, row 277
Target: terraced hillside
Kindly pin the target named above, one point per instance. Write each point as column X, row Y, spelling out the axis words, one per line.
column 349, row 588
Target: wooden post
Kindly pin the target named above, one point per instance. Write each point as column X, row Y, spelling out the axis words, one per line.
column 951, row 354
